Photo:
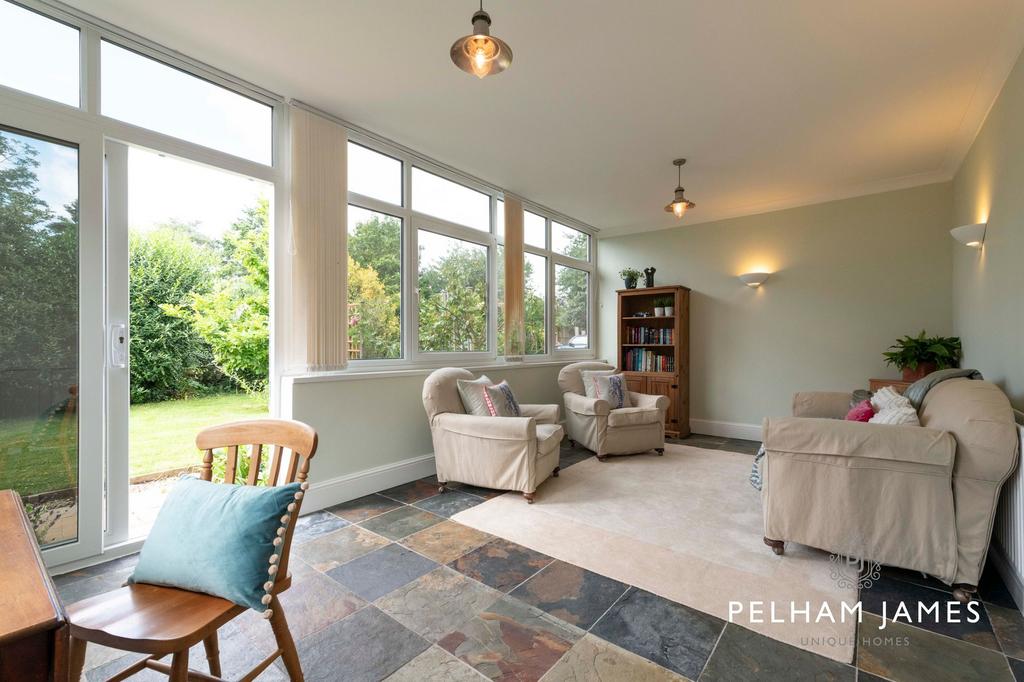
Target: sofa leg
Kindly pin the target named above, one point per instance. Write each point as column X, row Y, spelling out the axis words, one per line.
column 442, row 487
column 529, row 498
column 555, row 472
column 602, row 458
column 965, row 593
column 778, row 546
column 660, row 451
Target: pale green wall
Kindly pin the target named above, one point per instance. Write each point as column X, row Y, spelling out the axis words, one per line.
column 850, row 276
column 988, row 285
column 374, row 421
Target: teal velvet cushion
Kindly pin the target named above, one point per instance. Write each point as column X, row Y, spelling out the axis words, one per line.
column 218, row 539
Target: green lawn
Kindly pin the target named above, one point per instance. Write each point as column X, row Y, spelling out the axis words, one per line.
column 162, row 437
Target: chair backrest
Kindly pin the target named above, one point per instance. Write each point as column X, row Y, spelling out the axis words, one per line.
column 441, row 391
column 571, row 381
column 278, row 435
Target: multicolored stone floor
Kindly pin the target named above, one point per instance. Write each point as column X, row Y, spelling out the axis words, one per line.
column 386, row 587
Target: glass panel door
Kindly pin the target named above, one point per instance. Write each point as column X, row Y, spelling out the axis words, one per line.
column 189, row 277
column 39, row 306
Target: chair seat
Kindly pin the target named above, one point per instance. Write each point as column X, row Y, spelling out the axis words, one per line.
column 149, row 619
column 634, row 416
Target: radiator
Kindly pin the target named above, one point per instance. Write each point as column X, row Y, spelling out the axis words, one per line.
column 1008, row 536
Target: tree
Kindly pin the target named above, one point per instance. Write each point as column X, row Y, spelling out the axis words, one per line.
column 453, row 302
column 572, row 294
column 375, row 287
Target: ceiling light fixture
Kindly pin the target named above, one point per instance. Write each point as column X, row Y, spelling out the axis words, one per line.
column 679, row 204
column 481, row 54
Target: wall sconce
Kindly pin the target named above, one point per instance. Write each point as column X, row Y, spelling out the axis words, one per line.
column 754, row 279
column 970, row 235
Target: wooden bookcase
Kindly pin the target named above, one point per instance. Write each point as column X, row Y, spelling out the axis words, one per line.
column 654, row 352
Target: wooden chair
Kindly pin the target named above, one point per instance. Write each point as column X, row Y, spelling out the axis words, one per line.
column 156, row 620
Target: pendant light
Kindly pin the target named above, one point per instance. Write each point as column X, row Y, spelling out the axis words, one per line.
column 481, row 54
column 679, row 204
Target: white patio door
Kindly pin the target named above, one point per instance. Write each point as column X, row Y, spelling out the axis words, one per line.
column 51, row 357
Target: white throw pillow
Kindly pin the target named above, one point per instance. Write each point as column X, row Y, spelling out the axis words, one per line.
column 887, row 397
column 893, row 408
column 470, row 390
column 606, row 385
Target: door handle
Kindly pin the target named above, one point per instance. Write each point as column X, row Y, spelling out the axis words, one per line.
column 119, row 345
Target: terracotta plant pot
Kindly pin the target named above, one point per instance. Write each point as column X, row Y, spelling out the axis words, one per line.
column 923, row 370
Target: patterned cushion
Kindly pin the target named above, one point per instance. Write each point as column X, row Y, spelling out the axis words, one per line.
column 606, row 385
column 501, row 402
column 472, row 395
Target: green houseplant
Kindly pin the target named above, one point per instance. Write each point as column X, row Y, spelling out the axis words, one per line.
column 629, row 277
column 663, row 306
column 917, row 356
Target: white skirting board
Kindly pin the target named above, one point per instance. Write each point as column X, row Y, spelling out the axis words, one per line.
column 708, row 427
column 323, row 494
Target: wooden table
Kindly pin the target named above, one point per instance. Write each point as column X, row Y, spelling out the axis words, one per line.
column 33, row 627
column 898, row 385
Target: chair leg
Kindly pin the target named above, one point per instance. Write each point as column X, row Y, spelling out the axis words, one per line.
column 778, row 546
column 179, row 666
column 660, row 451
column 965, row 593
column 77, row 656
column 442, row 487
column 529, row 497
column 555, row 472
column 212, row 654
column 285, row 642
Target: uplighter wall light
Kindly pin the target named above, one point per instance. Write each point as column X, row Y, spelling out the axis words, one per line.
column 754, row 279
column 970, row 235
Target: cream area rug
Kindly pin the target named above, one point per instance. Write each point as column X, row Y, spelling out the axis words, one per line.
column 687, row 527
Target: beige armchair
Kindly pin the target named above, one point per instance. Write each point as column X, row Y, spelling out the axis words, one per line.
column 917, row 497
column 625, row 431
column 505, row 453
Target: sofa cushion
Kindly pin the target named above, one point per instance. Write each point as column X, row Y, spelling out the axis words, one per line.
column 606, row 385
column 471, row 391
column 549, row 436
column 633, row 416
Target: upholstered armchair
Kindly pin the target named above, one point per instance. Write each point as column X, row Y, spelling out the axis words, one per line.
column 504, row 453
column 922, row 498
column 624, row 431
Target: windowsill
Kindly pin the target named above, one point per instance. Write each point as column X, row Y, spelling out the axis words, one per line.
column 364, row 373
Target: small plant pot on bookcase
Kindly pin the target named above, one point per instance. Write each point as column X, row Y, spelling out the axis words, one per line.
column 659, row 311
column 629, row 277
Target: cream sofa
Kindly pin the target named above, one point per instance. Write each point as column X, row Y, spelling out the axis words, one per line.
column 918, row 497
column 592, row 423
column 505, row 453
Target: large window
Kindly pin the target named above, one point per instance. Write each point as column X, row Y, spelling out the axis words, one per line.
column 441, row 198
column 569, row 242
column 535, row 302
column 374, row 175
column 148, row 93
column 38, row 55
column 374, row 285
column 534, row 230
column 572, row 308
column 453, row 294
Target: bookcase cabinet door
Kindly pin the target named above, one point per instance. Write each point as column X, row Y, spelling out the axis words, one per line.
column 665, row 386
column 636, row 384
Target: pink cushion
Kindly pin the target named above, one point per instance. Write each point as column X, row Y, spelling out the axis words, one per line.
column 861, row 412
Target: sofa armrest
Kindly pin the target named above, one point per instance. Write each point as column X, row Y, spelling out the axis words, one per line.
column 581, row 404
column 841, row 438
column 544, row 414
column 649, row 401
column 488, row 428
column 827, row 404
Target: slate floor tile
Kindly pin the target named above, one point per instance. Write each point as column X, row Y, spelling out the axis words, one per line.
column 450, row 503
column 903, row 652
column 368, row 646
column 672, row 635
column 375, row 574
column 592, row 658
column 401, row 522
column 743, row 654
column 1017, row 668
column 340, row 547
column 435, row 665
column 574, row 594
column 310, row 526
column 501, row 564
column 887, row 593
column 446, row 541
column 413, row 491
column 363, row 508
column 437, row 603
column 569, row 456
column 511, row 641
column 993, row 590
column 1008, row 624
column 916, row 577
column 486, row 493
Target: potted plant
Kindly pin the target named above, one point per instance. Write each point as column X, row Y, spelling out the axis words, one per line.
column 918, row 356
column 667, row 302
column 629, row 277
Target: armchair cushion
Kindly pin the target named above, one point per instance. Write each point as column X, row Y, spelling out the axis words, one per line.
column 471, row 392
column 827, row 404
column 487, row 428
column 634, row 416
column 656, row 402
column 544, row 414
column 569, row 379
column 840, row 438
column 548, row 437
column 581, row 404
column 606, row 385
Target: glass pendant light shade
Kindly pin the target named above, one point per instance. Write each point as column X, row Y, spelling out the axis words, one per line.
column 679, row 204
column 481, row 54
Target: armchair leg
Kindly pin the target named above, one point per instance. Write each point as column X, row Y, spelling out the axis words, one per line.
column 572, row 443
column 660, row 451
column 778, row 546
column 965, row 593
column 602, row 458
column 555, row 472
column 529, row 497
column 442, row 487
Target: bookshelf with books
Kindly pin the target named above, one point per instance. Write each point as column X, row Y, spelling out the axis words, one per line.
column 654, row 349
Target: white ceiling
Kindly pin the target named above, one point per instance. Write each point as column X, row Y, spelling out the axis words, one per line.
column 775, row 104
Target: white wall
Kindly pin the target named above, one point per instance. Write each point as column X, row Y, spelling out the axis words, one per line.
column 850, row 277
column 373, row 430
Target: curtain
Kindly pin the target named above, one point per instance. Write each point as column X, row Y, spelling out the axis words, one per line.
column 319, row 189
column 515, row 328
